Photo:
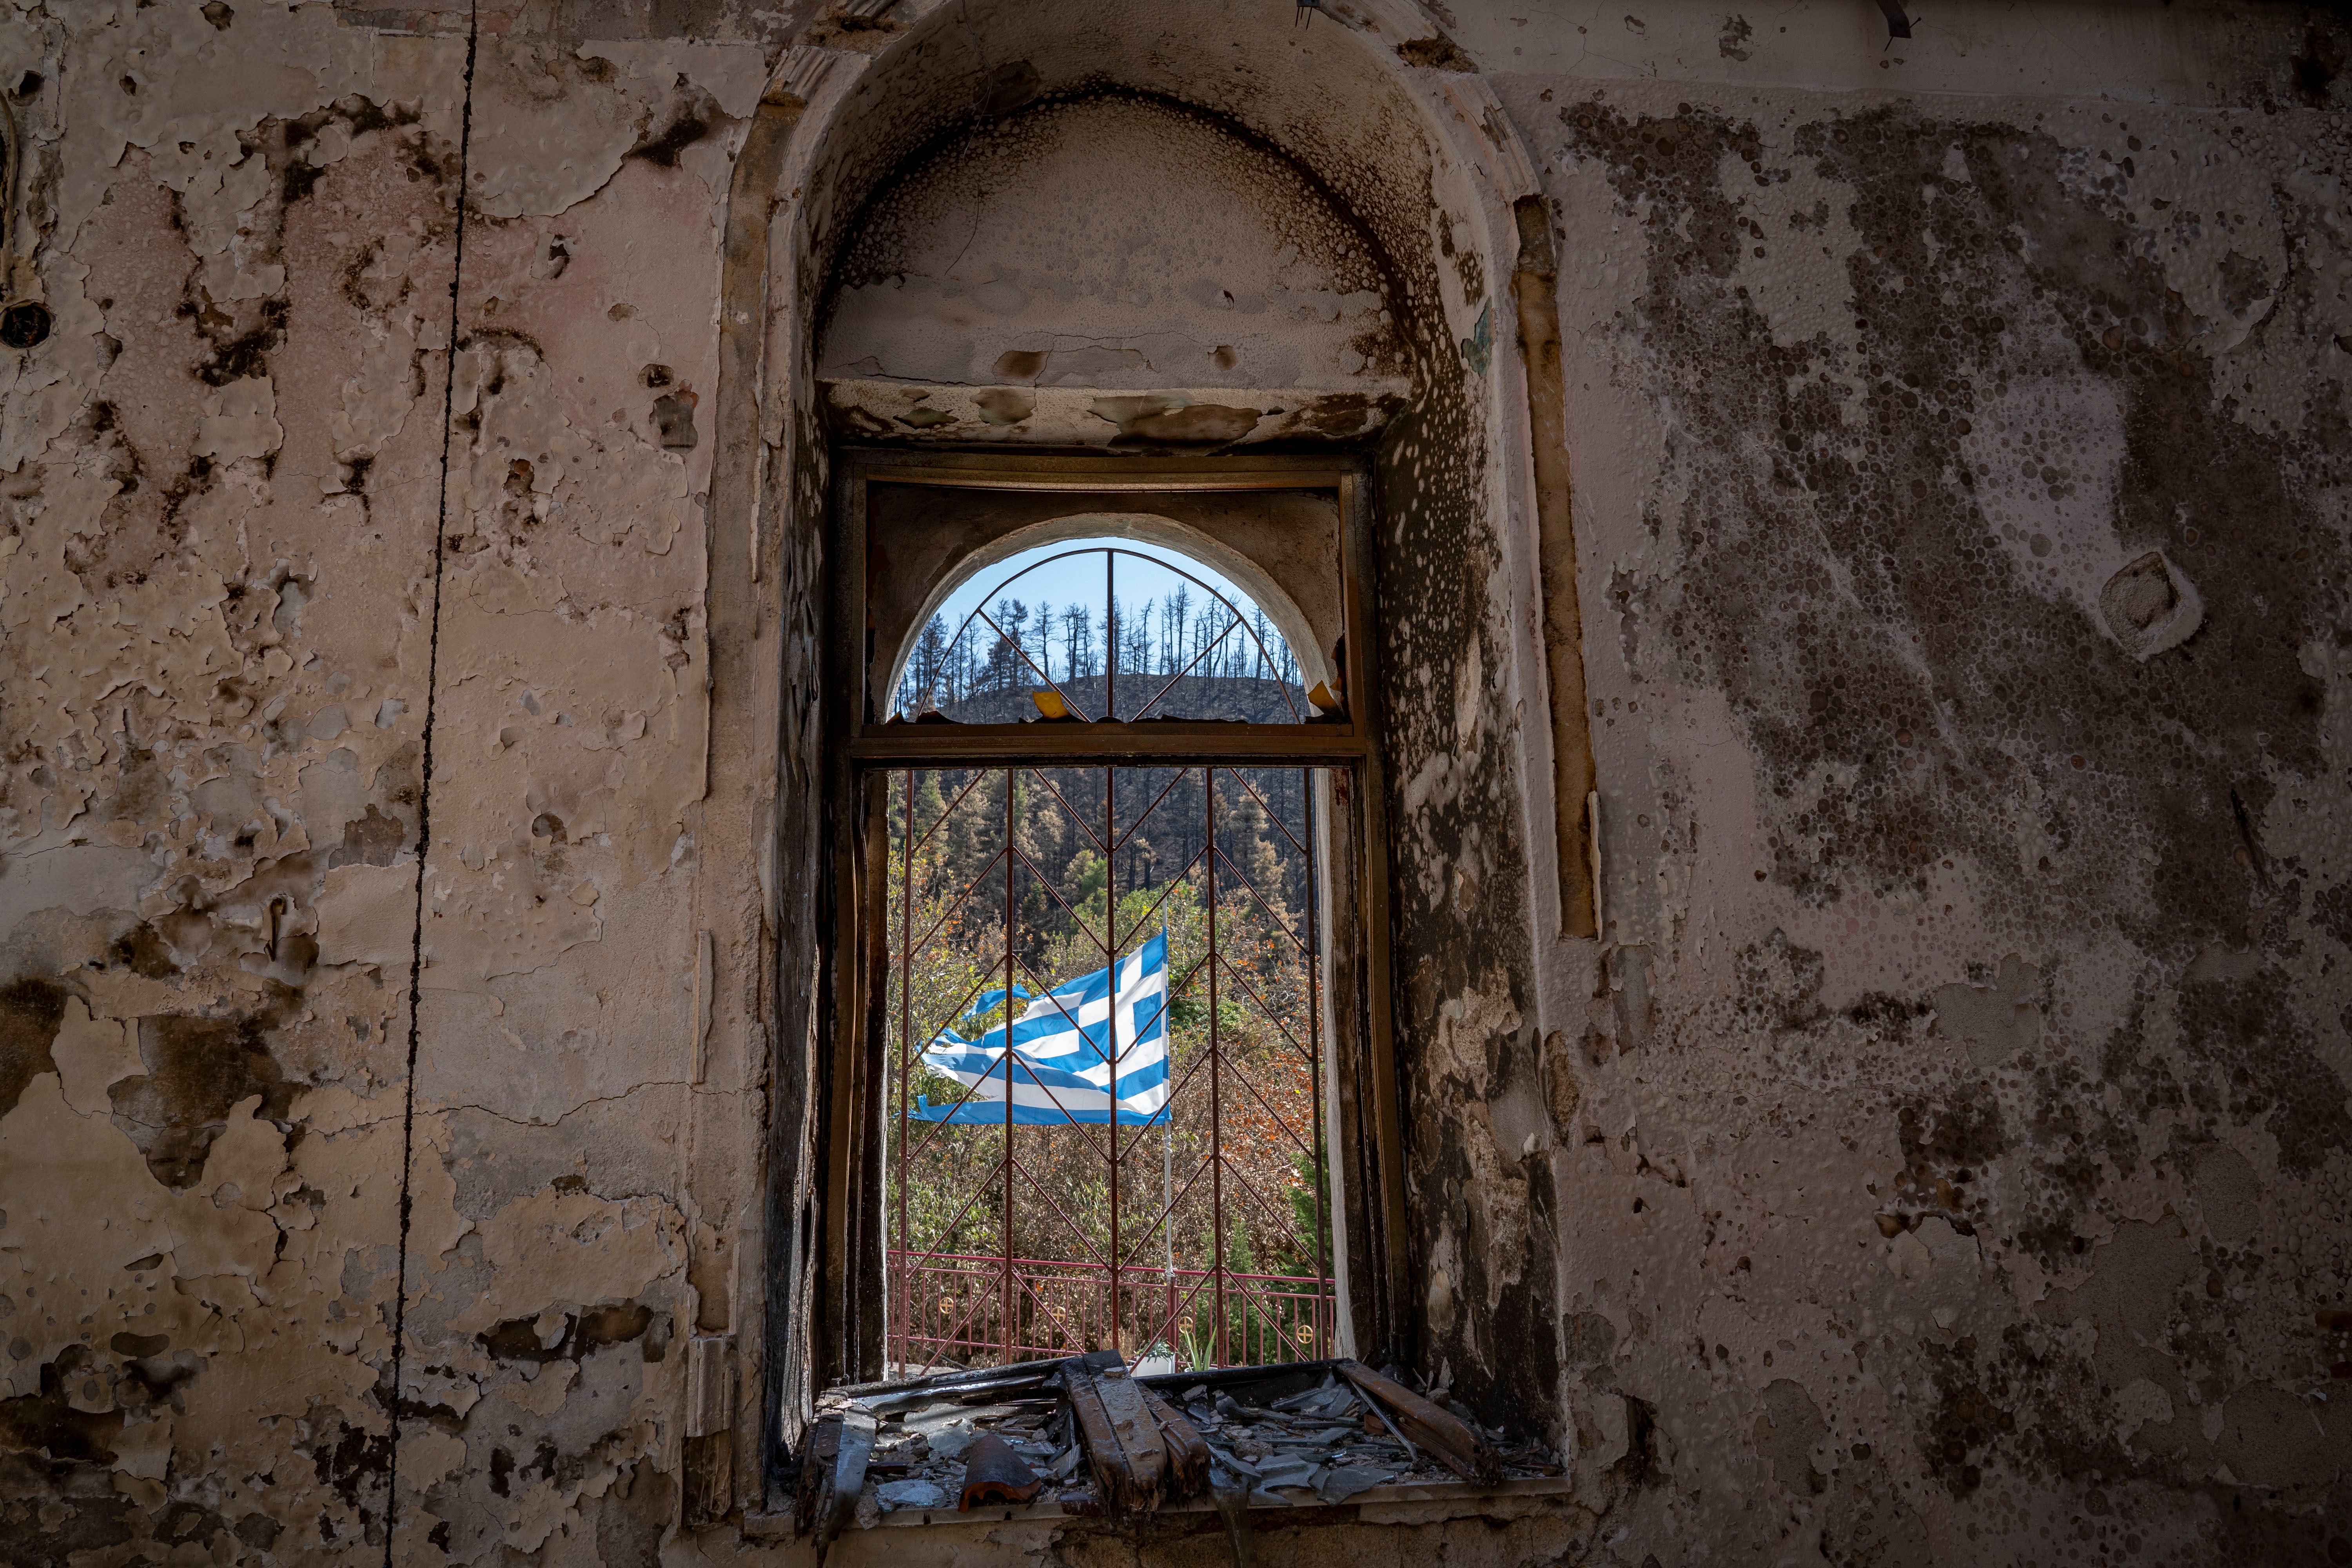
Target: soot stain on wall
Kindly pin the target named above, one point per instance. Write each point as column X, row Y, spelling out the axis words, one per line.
column 1928, row 675
column 1913, row 663
column 1846, row 571
column 1479, row 1232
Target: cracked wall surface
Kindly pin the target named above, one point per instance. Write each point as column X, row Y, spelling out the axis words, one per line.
column 1988, row 965
column 221, row 467
column 225, row 468
column 1940, row 1156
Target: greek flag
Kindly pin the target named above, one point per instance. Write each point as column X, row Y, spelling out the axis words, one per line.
column 1063, row 1053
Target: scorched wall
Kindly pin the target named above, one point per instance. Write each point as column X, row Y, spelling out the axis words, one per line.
column 1942, row 1153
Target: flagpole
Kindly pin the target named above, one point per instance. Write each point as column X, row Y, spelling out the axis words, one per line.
column 1167, row 1127
column 1110, row 918
column 1111, row 951
column 1010, row 779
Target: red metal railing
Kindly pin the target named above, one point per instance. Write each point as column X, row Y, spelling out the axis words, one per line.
column 950, row 1307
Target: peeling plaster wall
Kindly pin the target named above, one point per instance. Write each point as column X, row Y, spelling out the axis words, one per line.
column 219, row 472
column 1976, row 967
column 223, row 472
column 1942, row 1155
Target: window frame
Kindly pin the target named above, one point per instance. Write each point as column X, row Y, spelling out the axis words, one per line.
column 845, row 1327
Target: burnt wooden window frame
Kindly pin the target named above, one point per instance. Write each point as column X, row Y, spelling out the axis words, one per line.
column 846, row 1328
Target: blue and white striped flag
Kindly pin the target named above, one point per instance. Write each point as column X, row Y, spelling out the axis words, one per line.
column 1061, row 1055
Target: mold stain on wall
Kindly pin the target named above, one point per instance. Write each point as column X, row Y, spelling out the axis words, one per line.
column 1926, row 391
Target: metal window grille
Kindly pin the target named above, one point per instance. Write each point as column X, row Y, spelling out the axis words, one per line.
column 1198, row 1231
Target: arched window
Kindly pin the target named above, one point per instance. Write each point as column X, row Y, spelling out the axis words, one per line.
column 1112, row 1059
column 1102, row 628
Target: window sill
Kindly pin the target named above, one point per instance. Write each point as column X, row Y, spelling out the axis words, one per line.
column 1423, row 1504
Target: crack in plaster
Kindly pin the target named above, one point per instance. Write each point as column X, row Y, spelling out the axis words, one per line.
column 425, row 796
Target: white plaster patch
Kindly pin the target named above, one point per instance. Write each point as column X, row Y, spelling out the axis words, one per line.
column 733, row 74
column 560, row 1248
column 544, row 138
column 2138, row 1403
column 81, row 877
column 1794, row 269
column 367, row 915
column 91, row 1053
column 376, row 402
column 542, row 1392
column 2046, row 457
column 240, row 420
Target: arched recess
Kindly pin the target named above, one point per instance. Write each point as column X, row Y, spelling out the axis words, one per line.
column 1423, row 170
column 1118, row 269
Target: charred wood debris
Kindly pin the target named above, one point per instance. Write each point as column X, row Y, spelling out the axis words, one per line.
column 1086, row 1432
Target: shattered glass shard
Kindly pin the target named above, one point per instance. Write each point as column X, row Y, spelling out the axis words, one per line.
column 895, row 1495
column 1341, row 1482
